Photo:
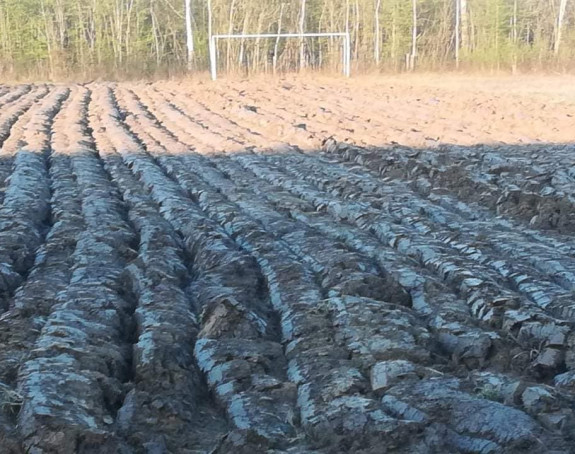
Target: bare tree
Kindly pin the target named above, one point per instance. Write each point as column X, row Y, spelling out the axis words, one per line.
column 276, row 45
column 347, row 16
column 210, row 19
column 155, row 33
column 411, row 57
column 514, row 35
column 464, row 24
column 559, row 26
column 189, row 34
column 302, row 30
column 230, row 31
column 377, row 38
column 457, row 30
column 61, row 38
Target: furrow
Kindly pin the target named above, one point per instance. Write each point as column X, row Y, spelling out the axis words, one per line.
column 549, row 255
column 317, row 417
column 11, row 132
column 406, row 211
column 556, row 269
column 15, row 94
column 551, row 360
column 487, row 300
column 310, row 246
column 454, row 329
column 74, row 380
column 50, row 274
column 25, row 212
column 237, row 334
column 541, row 209
column 193, row 163
column 455, row 337
column 348, row 313
column 167, row 384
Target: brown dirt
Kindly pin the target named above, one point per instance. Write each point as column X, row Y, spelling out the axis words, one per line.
column 300, row 264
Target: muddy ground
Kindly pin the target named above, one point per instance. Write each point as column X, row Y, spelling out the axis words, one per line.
column 295, row 265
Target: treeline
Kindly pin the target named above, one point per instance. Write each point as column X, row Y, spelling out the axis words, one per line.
column 142, row 38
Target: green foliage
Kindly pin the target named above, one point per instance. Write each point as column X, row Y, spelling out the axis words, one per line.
column 84, row 39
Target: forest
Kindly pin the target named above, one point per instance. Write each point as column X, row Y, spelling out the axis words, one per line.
column 84, row 40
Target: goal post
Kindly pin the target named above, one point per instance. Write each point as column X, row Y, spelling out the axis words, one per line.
column 346, row 57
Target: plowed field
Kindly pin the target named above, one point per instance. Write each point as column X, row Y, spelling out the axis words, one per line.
column 288, row 266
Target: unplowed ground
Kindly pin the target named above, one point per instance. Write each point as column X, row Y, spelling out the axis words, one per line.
column 296, row 265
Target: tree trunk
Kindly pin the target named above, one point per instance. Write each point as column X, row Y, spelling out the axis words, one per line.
column 347, row 17
column 189, row 35
column 464, row 24
column 411, row 62
column 155, row 33
column 210, row 18
column 128, row 28
column 559, row 26
column 241, row 54
column 257, row 46
column 211, row 44
column 302, row 30
column 377, row 38
column 496, row 28
column 457, row 30
column 394, row 58
column 48, row 38
column 230, row 31
column 514, row 38
column 356, row 30
column 276, row 46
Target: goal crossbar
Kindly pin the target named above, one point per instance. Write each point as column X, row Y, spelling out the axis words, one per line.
column 346, row 59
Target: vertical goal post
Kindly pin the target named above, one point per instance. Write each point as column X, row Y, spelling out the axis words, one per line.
column 346, row 58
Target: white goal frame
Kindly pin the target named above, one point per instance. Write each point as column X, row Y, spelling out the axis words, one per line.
column 346, row 59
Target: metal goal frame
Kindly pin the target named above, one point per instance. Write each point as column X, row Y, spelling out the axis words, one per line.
column 346, row 58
